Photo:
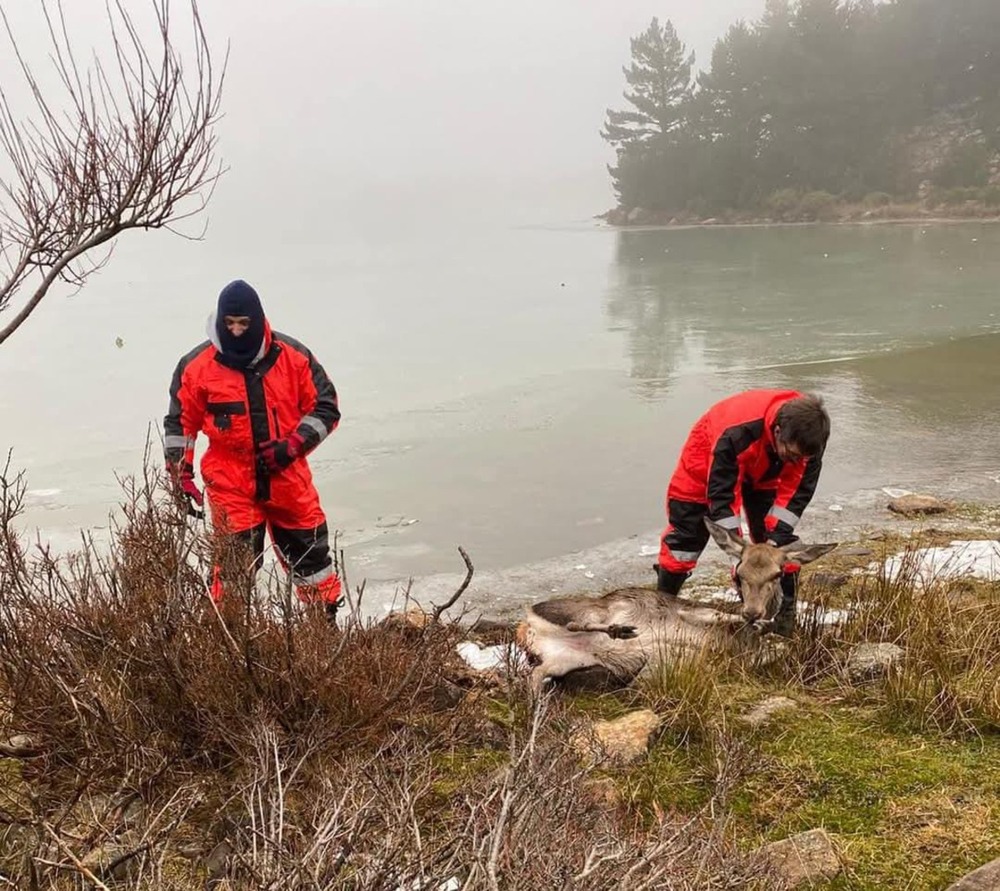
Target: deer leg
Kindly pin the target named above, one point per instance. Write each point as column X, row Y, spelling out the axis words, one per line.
column 706, row 617
column 616, row 632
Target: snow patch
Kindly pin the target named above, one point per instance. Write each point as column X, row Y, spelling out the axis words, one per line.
column 494, row 658
column 973, row 559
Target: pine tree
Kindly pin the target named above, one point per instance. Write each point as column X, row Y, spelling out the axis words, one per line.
column 659, row 81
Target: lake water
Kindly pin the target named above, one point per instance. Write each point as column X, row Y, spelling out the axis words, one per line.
column 523, row 392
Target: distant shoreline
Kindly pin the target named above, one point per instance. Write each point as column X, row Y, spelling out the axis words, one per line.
column 764, row 223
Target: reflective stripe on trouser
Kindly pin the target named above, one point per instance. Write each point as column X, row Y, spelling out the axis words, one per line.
column 685, row 536
column 305, row 554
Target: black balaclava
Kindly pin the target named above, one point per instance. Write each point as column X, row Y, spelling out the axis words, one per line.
column 239, row 299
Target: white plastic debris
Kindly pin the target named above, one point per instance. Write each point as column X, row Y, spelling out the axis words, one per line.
column 836, row 507
column 960, row 559
column 654, row 550
column 496, row 657
column 581, row 566
column 588, row 575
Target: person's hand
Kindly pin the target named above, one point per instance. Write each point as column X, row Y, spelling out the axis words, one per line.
column 182, row 476
column 275, row 455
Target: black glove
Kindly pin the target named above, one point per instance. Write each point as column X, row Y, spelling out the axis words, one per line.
column 275, row 455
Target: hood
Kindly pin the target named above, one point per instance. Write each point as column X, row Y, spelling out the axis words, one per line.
column 211, row 331
column 239, row 299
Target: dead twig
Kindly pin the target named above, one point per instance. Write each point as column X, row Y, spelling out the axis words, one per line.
column 436, row 614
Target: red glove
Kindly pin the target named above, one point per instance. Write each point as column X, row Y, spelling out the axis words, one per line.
column 182, row 476
column 275, row 455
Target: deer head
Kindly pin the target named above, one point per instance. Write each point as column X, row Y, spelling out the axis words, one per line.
column 759, row 567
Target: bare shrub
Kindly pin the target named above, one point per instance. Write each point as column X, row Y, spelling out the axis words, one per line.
column 175, row 744
column 126, row 143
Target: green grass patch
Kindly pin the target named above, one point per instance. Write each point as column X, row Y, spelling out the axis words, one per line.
column 909, row 810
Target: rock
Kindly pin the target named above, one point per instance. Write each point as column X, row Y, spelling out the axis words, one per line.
column 771, row 651
column 118, row 860
column 871, row 661
column 623, row 740
column 616, row 217
column 856, row 551
column 446, row 694
column 414, row 619
column 19, row 746
column 908, row 505
column 803, row 859
column 389, row 522
column 603, row 792
column 217, row 864
column 986, row 878
column 638, row 216
column 763, row 711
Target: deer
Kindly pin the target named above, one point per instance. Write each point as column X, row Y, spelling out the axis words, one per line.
column 621, row 635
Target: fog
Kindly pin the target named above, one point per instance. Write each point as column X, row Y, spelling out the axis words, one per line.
column 485, row 108
column 390, row 112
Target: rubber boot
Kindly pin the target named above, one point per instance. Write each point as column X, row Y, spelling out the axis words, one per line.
column 668, row 582
column 327, row 593
column 784, row 620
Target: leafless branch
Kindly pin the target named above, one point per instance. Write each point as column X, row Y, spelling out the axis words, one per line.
column 461, row 588
column 127, row 143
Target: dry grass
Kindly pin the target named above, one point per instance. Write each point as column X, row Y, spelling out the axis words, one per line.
column 175, row 745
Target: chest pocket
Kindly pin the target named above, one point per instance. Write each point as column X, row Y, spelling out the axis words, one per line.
column 223, row 413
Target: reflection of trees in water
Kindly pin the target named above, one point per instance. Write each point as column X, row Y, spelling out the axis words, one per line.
column 722, row 299
column 662, row 303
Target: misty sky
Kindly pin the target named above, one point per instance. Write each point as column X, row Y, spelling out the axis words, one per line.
column 401, row 109
column 503, row 98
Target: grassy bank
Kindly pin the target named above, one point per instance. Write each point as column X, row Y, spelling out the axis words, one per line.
column 156, row 742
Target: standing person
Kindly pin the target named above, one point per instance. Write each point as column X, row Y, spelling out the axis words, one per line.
column 264, row 402
column 760, row 449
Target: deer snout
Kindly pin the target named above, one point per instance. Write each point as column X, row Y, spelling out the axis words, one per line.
column 752, row 613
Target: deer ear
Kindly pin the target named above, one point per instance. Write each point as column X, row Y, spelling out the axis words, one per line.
column 729, row 541
column 797, row 552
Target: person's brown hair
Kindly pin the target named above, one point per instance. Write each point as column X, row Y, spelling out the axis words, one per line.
column 804, row 424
